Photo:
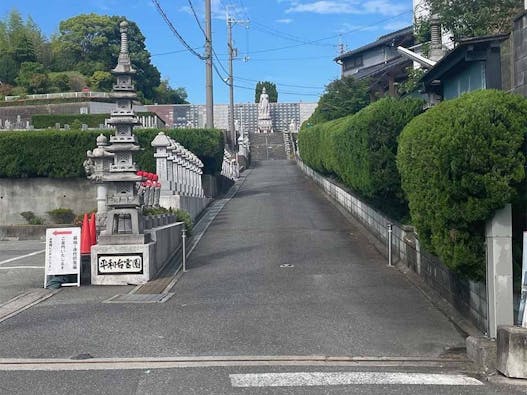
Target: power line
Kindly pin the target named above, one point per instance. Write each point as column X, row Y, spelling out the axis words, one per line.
column 285, row 36
column 172, row 52
column 280, row 84
column 224, row 80
column 171, row 26
column 219, row 61
column 196, row 17
column 330, row 37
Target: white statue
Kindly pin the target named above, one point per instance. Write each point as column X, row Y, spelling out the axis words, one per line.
column 263, row 106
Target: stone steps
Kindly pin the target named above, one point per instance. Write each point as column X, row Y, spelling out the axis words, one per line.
column 267, row 146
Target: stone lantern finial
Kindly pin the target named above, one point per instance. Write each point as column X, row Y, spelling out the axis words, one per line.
column 124, row 37
column 124, row 65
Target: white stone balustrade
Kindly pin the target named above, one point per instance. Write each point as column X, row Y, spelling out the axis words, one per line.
column 230, row 168
column 178, row 169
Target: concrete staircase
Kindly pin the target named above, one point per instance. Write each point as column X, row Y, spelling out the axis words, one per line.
column 267, row 146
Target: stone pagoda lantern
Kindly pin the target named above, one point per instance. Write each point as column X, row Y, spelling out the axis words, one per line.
column 124, row 217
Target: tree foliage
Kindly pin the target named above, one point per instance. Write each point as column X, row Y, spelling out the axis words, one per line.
column 85, row 48
column 460, row 162
column 165, row 94
column 341, row 97
column 33, row 77
column 473, row 18
column 270, row 89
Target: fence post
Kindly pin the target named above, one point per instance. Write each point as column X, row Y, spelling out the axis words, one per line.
column 184, row 248
column 390, row 230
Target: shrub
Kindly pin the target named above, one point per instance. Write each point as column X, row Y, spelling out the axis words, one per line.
column 460, row 162
column 31, row 218
column 60, row 154
column 62, row 215
column 366, row 149
column 181, row 215
column 184, row 217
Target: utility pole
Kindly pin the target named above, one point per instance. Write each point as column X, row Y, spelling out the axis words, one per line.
column 209, row 103
column 233, row 52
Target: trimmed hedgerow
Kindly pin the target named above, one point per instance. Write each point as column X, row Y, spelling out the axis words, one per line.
column 460, row 162
column 60, row 154
column 367, row 149
column 207, row 144
column 360, row 150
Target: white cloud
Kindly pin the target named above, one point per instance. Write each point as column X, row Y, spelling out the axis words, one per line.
column 323, row 7
column 219, row 11
column 284, row 21
column 382, row 7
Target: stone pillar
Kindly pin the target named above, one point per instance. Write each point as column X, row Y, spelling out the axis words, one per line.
column 161, row 143
column 192, row 177
column 102, row 191
column 189, row 174
column 177, row 170
column 499, row 270
column 170, row 170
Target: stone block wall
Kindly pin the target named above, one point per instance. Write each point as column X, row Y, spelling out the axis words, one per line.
column 24, row 113
column 468, row 297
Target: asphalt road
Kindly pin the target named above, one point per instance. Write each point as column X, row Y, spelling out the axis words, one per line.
column 21, row 267
column 279, row 272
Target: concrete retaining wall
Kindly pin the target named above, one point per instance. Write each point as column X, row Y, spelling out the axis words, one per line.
column 468, row 297
column 41, row 195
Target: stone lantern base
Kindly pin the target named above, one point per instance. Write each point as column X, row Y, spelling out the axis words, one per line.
column 123, row 264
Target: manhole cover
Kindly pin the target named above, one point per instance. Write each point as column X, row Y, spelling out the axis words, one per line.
column 140, row 298
column 287, row 265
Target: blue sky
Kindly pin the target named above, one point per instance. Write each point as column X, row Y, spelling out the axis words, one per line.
column 289, row 42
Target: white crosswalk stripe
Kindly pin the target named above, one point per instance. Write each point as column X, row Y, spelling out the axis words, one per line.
column 305, row 379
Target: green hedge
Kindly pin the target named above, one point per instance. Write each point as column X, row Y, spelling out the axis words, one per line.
column 360, row 150
column 460, row 162
column 44, row 121
column 60, row 154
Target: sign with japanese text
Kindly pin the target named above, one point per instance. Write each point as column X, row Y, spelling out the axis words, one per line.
column 120, row 264
column 63, row 254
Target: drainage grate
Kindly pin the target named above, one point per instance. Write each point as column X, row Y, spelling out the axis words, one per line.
column 140, row 298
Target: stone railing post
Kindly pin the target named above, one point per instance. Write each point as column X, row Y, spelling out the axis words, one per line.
column 161, row 143
column 178, row 171
column 170, row 168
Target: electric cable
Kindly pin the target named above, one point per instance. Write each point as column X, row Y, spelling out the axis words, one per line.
column 329, row 37
column 179, row 36
column 196, row 17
